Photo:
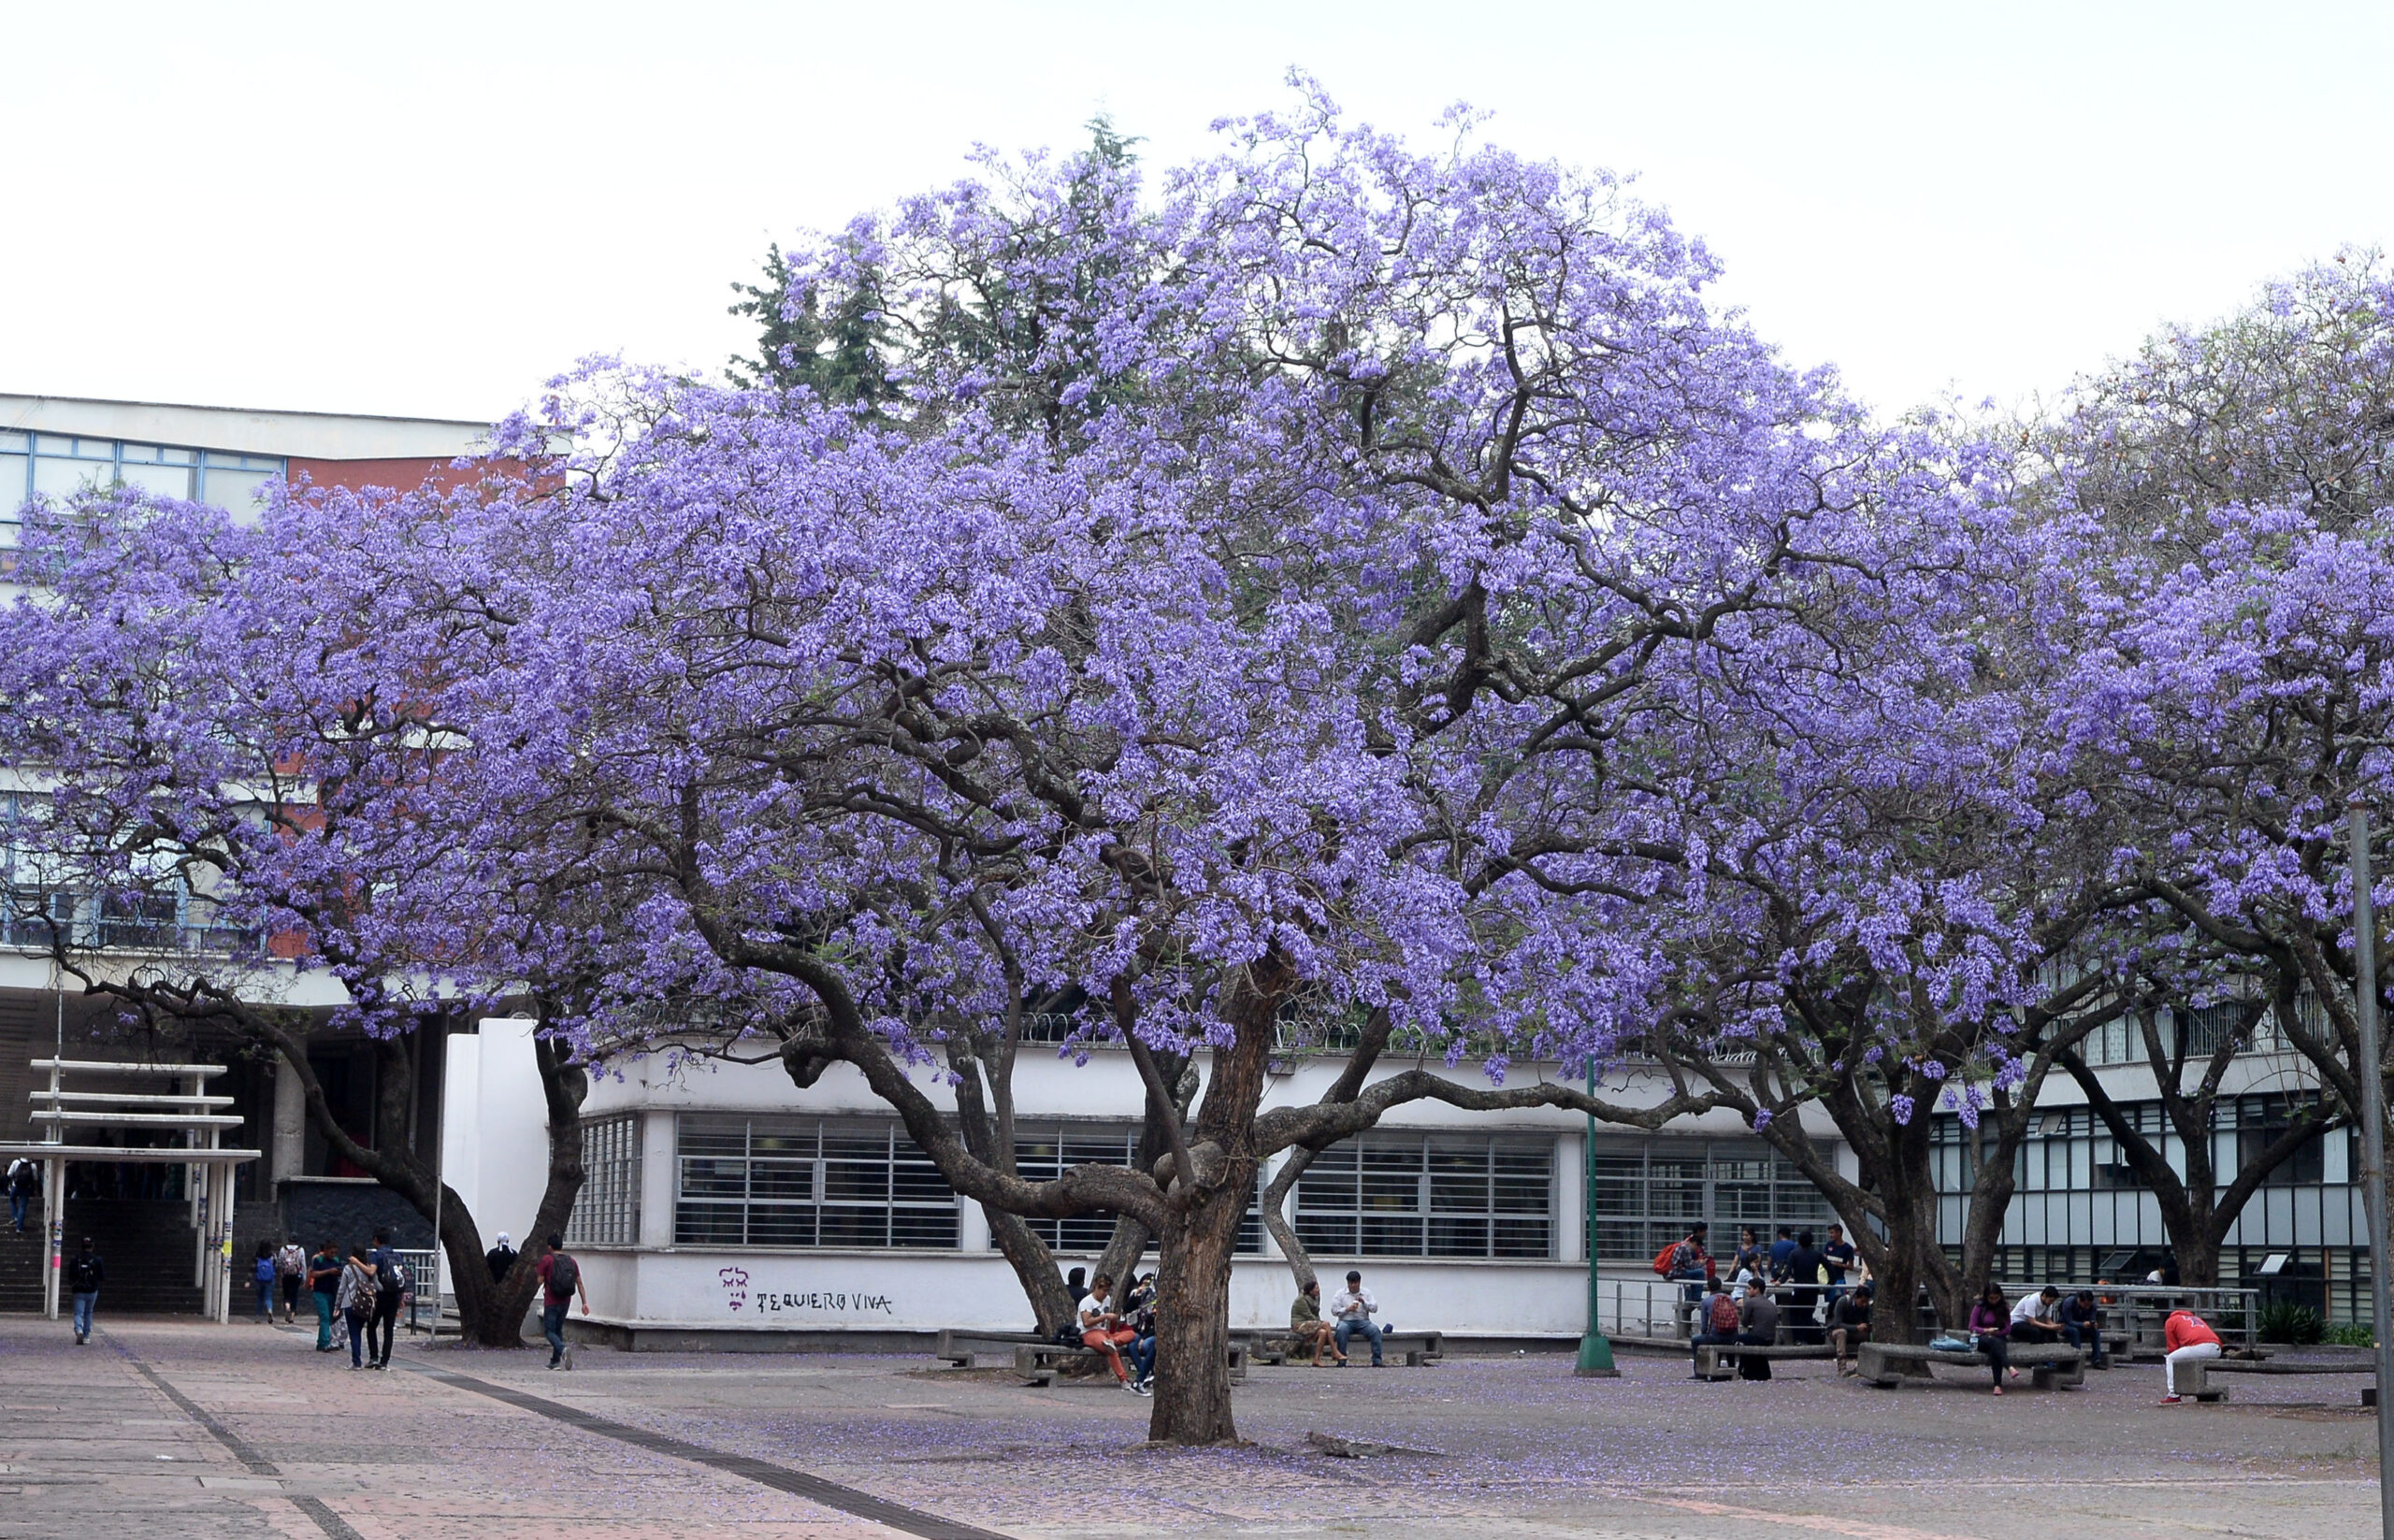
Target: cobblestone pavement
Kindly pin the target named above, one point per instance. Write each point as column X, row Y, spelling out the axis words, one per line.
column 171, row 1429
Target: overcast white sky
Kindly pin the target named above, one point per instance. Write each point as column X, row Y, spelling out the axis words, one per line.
column 427, row 208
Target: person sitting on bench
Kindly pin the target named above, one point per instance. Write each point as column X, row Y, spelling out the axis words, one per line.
column 1354, row 1307
column 2032, row 1318
column 1850, row 1325
column 2185, row 1336
column 1990, row 1333
column 1308, row 1328
column 1759, row 1314
column 2082, row 1325
column 1717, row 1322
column 1101, row 1330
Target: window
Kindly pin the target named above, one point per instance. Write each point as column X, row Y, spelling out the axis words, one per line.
column 1041, row 1154
column 807, row 1182
column 1429, row 1195
column 607, row 1211
column 54, row 466
column 1643, row 1195
column 2261, row 1120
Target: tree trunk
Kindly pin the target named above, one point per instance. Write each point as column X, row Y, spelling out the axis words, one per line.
column 1193, row 1402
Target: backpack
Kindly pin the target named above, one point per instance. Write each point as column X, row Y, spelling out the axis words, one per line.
column 79, row 1275
column 1725, row 1316
column 265, row 1270
column 564, row 1273
column 391, row 1277
column 1663, row 1260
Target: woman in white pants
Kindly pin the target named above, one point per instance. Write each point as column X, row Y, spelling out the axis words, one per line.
column 2188, row 1338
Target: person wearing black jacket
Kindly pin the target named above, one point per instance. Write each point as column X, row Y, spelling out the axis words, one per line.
column 2081, row 1326
column 1804, row 1270
column 85, row 1273
column 500, row 1257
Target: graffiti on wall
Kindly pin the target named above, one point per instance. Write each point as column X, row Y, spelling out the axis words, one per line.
column 739, row 1295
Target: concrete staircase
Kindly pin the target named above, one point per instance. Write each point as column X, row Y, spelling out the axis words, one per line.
column 146, row 1243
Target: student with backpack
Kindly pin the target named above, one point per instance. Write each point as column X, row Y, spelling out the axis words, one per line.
column 24, row 1179
column 1717, row 1319
column 262, row 1275
column 560, row 1281
column 355, row 1300
column 1686, row 1262
column 85, row 1273
column 390, row 1289
column 290, row 1271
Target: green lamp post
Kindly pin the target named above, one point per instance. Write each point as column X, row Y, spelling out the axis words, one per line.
column 1595, row 1348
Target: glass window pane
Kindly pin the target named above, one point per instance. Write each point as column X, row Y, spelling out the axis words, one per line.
column 707, row 1224
column 234, row 491
column 858, row 1225
column 160, row 480
column 1457, row 1237
column 54, row 478
column 781, row 1179
column 711, row 1177
column 1392, row 1235
column 779, row 1224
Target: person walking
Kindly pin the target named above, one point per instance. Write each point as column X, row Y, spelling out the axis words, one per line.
column 324, row 1285
column 86, row 1274
column 1991, row 1334
column 499, row 1259
column 24, row 1180
column 2185, row 1337
column 290, row 1271
column 262, row 1276
column 560, row 1281
column 354, row 1300
column 390, row 1288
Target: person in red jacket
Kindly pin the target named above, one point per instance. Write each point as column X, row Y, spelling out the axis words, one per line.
column 2186, row 1337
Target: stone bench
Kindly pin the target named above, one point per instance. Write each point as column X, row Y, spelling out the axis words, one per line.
column 1038, row 1364
column 2050, row 1366
column 952, row 1346
column 1415, row 1347
column 2194, row 1377
column 1716, row 1360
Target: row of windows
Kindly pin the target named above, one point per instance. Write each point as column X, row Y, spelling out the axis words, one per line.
column 808, row 1182
column 1434, row 1195
column 1643, row 1195
column 2072, row 1150
column 800, row 1182
column 1044, row 1154
column 48, row 465
column 607, row 1212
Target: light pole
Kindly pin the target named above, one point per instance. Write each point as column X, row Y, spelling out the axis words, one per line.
column 2372, row 1145
column 1595, row 1348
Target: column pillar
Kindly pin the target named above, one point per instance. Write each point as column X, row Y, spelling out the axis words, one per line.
column 1570, row 1226
column 54, row 1225
column 289, row 1152
column 656, row 1181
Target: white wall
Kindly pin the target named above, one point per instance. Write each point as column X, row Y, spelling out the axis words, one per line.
column 886, row 1291
column 494, row 1127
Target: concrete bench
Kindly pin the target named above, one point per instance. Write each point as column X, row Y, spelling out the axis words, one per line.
column 1415, row 1347
column 954, row 1345
column 2050, row 1366
column 2194, row 1377
column 1718, row 1360
column 1039, row 1363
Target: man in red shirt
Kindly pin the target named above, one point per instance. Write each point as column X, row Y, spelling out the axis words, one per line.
column 2186, row 1337
column 560, row 1281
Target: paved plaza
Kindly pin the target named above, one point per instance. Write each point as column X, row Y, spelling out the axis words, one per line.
column 165, row 1428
